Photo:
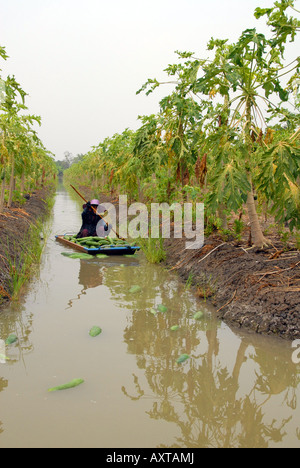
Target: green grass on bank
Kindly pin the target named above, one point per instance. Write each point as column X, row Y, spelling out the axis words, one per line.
column 23, row 255
column 153, row 249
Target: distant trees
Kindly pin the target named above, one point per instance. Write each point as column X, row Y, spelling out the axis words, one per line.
column 66, row 163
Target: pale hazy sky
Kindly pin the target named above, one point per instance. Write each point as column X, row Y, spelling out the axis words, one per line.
column 81, row 62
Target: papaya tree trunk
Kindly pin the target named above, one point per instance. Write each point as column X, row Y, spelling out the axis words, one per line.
column 43, row 177
column 170, row 189
column 140, row 190
column 222, row 215
column 223, row 122
column 2, row 194
column 22, row 183
column 11, row 182
column 257, row 236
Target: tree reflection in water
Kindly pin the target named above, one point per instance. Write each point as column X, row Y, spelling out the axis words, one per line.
column 203, row 397
column 218, row 398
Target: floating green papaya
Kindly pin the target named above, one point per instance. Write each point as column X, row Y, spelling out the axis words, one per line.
column 135, row 289
column 76, row 255
column 153, row 311
column 95, row 331
column 175, row 328
column 81, row 255
column 182, row 358
column 162, row 308
column 199, row 315
column 72, row 384
column 11, row 339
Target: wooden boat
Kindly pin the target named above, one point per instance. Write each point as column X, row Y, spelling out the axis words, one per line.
column 105, row 249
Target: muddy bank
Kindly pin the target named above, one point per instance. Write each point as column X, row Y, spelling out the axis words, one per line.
column 255, row 290
column 14, row 227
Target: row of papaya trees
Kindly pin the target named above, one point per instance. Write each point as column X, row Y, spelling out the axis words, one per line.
column 227, row 135
column 25, row 164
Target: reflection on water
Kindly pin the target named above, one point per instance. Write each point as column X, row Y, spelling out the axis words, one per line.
column 90, row 276
column 92, row 272
column 222, row 397
column 235, row 390
column 204, row 399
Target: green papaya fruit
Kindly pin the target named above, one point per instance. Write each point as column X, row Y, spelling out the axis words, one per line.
column 72, row 384
column 81, row 255
column 95, row 331
column 199, row 315
column 135, row 289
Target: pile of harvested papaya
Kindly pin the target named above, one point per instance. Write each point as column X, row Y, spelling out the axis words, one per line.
column 97, row 242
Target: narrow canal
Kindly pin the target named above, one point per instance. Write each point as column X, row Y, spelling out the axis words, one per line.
column 236, row 390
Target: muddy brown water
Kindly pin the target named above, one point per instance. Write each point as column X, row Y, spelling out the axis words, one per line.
column 236, row 390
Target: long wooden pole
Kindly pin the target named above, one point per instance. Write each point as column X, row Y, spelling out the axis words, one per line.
column 95, row 211
column 81, row 196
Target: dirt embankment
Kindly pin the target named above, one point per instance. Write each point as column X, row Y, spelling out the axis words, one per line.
column 256, row 290
column 14, row 227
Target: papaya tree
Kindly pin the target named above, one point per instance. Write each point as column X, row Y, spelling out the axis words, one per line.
column 21, row 151
column 3, row 56
column 253, row 71
column 10, row 128
column 111, row 163
column 151, row 155
column 217, row 118
column 120, row 163
column 3, row 149
column 19, row 145
column 182, row 116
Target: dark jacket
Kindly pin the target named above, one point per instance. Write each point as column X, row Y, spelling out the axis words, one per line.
column 89, row 222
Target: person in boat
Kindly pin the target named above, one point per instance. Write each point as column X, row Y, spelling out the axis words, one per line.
column 90, row 220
